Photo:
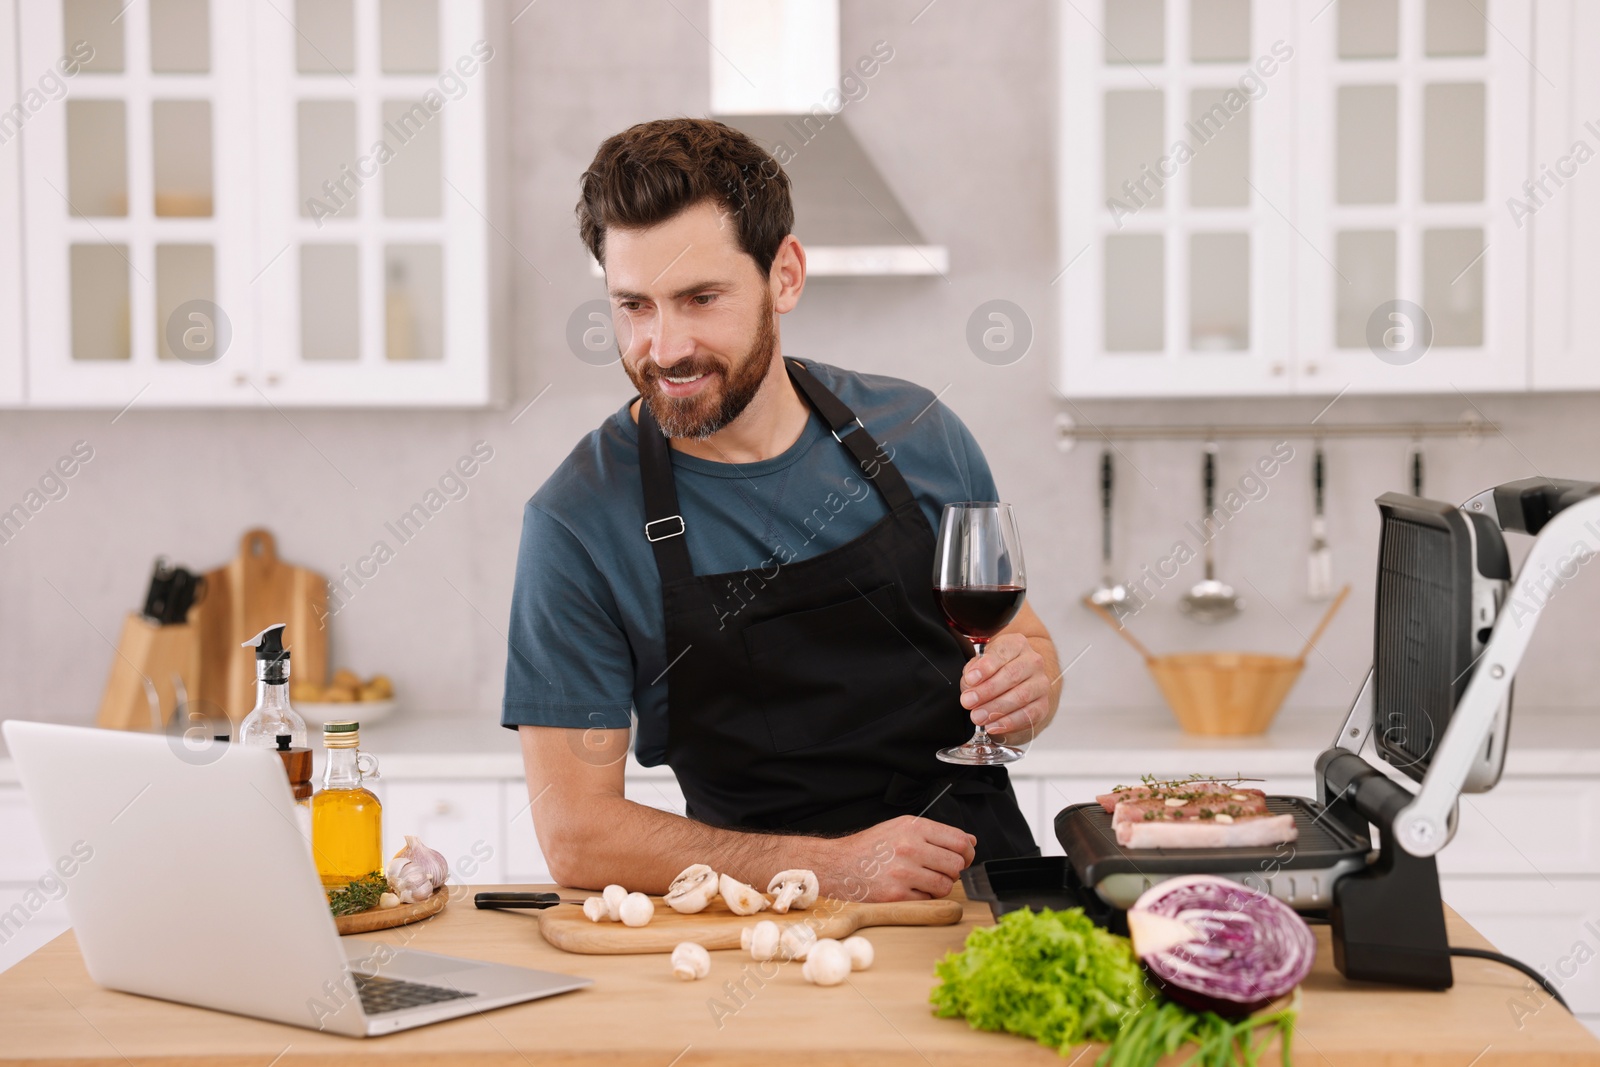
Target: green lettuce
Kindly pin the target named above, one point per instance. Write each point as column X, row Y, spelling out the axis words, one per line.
column 1053, row 976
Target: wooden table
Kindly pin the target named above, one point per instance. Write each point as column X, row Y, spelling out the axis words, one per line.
column 636, row 1013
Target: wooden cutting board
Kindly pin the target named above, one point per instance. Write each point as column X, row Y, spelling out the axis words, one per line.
column 242, row 598
column 364, row 922
column 565, row 926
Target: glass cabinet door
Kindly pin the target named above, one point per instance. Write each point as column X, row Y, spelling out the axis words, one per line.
column 376, row 225
column 1413, row 132
column 138, row 227
column 1175, row 189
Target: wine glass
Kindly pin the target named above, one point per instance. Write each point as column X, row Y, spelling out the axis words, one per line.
column 979, row 584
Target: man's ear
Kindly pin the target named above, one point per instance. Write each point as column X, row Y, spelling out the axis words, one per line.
column 787, row 278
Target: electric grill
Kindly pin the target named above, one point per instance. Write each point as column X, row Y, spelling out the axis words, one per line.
column 1450, row 629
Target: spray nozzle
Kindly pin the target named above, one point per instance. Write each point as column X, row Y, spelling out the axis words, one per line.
column 272, row 659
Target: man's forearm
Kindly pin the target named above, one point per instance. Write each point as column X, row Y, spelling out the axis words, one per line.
column 644, row 848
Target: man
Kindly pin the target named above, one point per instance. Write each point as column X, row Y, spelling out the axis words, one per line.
column 734, row 559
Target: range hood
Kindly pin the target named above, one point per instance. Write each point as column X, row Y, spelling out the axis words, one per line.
column 774, row 73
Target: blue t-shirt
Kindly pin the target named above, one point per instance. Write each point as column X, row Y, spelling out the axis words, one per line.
column 587, row 634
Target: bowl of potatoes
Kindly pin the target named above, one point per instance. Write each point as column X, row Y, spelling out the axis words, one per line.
column 346, row 696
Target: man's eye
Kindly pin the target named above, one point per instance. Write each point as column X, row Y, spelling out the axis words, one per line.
column 629, row 305
column 704, row 298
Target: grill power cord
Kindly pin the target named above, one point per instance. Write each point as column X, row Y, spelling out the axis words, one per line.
column 1485, row 954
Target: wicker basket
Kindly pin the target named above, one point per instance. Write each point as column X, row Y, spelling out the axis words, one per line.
column 1224, row 693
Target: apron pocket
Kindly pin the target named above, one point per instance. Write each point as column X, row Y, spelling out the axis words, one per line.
column 834, row 668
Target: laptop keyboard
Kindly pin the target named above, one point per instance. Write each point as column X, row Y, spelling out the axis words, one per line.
column 380, row 995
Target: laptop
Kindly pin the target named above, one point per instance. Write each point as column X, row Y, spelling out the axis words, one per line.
column 187, row 878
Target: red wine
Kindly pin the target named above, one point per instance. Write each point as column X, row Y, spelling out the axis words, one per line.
column 978, row 612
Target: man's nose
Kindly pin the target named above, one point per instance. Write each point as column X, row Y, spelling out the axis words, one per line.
column 672, row 340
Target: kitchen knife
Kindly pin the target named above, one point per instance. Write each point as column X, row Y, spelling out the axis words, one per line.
column 520, row 900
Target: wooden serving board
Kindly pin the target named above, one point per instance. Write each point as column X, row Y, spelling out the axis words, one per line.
column 565, row 926
column 244, row 597
column 364, row 922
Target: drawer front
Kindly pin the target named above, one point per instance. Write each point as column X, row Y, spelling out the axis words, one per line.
column 1056, row 793
column 1552, row 926
column 1528, row 826
column 462, row 820
column 524, row 858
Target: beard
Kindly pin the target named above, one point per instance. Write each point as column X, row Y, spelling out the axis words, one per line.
column 715, row 405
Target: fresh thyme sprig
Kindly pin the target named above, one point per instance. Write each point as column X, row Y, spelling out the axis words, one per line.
column 359, row 895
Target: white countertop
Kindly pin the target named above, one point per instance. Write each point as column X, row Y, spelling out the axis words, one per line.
column 1118, row 743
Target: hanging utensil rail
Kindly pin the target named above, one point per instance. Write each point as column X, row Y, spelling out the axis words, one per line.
column 1069, row 432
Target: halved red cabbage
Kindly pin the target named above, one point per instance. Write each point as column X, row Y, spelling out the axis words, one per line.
column 1213, row 944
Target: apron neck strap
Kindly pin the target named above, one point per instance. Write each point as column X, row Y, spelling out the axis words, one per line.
column 664, row 526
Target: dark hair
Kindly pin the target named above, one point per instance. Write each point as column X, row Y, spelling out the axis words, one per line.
column 650, row 172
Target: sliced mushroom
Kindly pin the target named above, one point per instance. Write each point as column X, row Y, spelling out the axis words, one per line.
column 594, row 909
column 690, row 961
column 860, row 950
column 760, row 940
column 613, row 895
column 794, row 889
column 741, row 899
column 692, row 890
column 796, row 941
column 636, row 909
column 827, row 963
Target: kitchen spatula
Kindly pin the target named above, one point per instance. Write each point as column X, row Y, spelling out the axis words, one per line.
column 1319, row 565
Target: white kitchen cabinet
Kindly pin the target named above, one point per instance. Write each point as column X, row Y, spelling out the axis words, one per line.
column 1560, row 206
column 1554, row 926
column 262, row 205
column 525, row 860
column 11, row 213
column 1530, row 828
column 1363, row 155
column 462, row 820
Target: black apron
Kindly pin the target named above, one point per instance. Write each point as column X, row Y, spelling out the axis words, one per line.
column 819, row 705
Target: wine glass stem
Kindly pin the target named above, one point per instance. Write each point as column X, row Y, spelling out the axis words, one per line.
column 980, row 736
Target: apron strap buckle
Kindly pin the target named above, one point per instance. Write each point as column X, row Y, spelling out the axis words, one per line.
column 837, row 436
column 653, row 536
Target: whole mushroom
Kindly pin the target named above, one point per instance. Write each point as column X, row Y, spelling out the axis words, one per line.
column 760, row 940
column 860, row 950
column 636, row 909
column 794, row 889
column 693, row 889
column 827, row 963
column 613, row 895
column 796, row 941
column 741, row 899
column 690, row 961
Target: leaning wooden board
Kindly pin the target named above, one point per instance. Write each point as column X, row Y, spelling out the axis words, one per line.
column 243, row 597
column 565, row 926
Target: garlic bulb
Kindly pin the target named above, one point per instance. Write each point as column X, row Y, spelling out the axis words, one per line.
column 416, row 871
column 690, row 961
column 636, row 909
column 860, row 950
column 594, row 909
column 827, row 963
column 613, row 895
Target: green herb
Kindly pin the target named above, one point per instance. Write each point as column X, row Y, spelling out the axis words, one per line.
column 359, row 895
column 1058, row 978
column 1053, row 976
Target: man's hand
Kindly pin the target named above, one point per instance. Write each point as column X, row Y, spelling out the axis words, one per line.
column 905, row 858
column 1010, row 690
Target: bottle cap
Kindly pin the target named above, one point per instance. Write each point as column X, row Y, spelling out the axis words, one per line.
column 272, row 659
column 344, row 734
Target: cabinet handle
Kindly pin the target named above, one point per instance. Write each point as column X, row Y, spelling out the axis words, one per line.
column 443, row 807
column 272, row 379
column 1277, row 370
column 1311, row 368
column 241, row 379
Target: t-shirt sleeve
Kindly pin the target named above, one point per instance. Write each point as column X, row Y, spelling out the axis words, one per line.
column 568, row 662
column 969, row 458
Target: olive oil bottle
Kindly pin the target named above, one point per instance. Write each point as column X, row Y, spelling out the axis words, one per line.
column 346, row 818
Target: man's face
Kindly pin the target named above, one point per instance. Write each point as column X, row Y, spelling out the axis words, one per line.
column 694, row 319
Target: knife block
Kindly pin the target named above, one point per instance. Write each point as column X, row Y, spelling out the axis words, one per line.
column 155, row 666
